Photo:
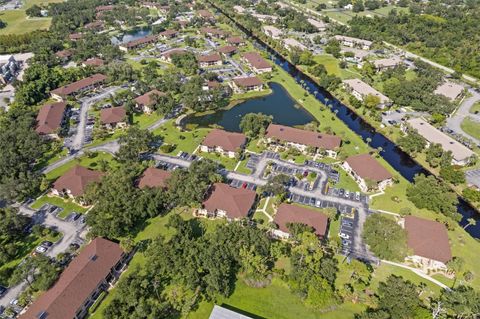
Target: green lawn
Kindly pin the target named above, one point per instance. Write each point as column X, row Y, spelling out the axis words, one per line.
column 385, row 270
column 242, row 168
column 332, row 65
column 27, row 245
column 186, row 141
column 275, row 301
column 227, row 162
column 90, row 162
column 18, row 22
column 346, row 181
column 67, row 204
column 475, row 108
column 471, row 127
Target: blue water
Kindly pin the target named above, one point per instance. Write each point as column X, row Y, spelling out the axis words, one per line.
column 279, row 105
column 132, row 35
column 399, row 160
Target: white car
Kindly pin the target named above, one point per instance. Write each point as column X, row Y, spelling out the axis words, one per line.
column 344, row 236
column 41, row 249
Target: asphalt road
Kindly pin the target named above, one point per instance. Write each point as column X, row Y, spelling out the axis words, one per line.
column 454, row 122
column 79, row 138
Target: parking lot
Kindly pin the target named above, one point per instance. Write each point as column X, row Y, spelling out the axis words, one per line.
column 240, row 184
column 342, row 193
column 473, row 177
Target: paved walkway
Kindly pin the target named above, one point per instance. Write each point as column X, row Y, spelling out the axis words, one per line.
column 418, row 272
column 454, row 122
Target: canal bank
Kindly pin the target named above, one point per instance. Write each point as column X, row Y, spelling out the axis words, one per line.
column 393, row 155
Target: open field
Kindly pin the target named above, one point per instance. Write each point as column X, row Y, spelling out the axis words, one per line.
column 475, row 108
column 18, row 22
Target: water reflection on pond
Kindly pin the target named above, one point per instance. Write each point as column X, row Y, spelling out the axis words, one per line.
column 279, row 104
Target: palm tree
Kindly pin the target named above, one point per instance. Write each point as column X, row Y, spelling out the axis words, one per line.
column 368, row 139
column 470, row 222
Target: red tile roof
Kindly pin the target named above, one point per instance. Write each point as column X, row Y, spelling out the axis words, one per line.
column 228, row 141
column 247, row 81
column 227, row 49
column 205, row 14
column 367, row 167
column 154, row 177
column 64, row 53
column 309, row 138
column 113, row 115
column 104, row 8
column 212, row 31
column 94, row 62
column 237, row 202
column 76, row 180
column 50, row 117
column 287, row 213
column 428, row 238
column 75, row 36
column 141, row 41
column 235, row 40
column 79, row 85
column 256, row 60
column 147, row 98
column 94, row 25
column 214, row 57
column 169, row 33
column 77, row 282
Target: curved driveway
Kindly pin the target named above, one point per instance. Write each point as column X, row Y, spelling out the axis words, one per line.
column 463, row 111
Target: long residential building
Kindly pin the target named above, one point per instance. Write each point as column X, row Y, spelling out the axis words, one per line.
column 93, row 271
column 257, row 62
column 82, row 85
column 360, row 90
column 302, row 139
column 460, row 153
column 223, row 142
column 225, row 201
column 287, row 213
column 429, row 243
column 367, row 172
column 138, row 43
column 50, row 119
column 354, row 42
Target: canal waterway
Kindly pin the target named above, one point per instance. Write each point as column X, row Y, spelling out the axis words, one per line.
column 398, row 159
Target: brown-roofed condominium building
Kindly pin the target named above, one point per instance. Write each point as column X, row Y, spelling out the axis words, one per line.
column 74, row 182
column 139, row 43
column 287, row 213
column 245, row 84
column 256, row 62
column 93, row 271
column 224, row 201
column 367, row 172
column 210, row 60
column 146, row 102
column 113, row 117
column 50, row 119
column 302, row 140
column 223, row 142
column 429, row 242
column 236, row 41
column 154, row 177
column 82, row 85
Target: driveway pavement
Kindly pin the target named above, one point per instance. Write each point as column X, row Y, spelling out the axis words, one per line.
column 359, row 249
column 72, row 233
column 79, row 139
column 454, row 122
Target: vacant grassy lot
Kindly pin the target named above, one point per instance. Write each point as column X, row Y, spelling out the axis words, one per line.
column 18, row 22
column 471, row 127
column 186, row 141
